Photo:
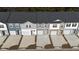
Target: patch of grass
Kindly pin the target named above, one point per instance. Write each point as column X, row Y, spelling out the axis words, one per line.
column 66, row 46
column 13, row 47
column 48, row 46
column 31, row 46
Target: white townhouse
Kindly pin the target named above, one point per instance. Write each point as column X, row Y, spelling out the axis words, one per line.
column 70, row 28
column 54, row 27
column 3, row 23
column 42, row 28
column 28, row 28
column 3, row 29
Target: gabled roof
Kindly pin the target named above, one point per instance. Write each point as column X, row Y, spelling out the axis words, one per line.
column 39, row 17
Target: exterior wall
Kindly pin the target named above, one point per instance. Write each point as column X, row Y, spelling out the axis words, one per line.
column 3, row 30
column 35, row 29
column 78, row 30
column 11, row 26
column 62, row 26
column 5, row 27
column 23, row 25
column 70, row 26
column 14, row 27
column 70, row 30
column 42, row 28
column 17, row 28
column 28, row 27
column 54, row 28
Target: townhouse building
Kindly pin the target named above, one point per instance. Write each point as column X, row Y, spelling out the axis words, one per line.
column 39, row 23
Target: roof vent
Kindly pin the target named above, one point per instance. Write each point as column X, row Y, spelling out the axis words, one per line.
column 57, row 20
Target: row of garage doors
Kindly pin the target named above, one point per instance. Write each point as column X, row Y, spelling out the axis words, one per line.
column 55, row 32
column 28, row 32
column 39, row 32
column 69, row 31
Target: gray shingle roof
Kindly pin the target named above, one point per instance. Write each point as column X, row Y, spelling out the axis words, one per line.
column 63, row 16
column 4, row 16
column 39, row 17
column 21, row 17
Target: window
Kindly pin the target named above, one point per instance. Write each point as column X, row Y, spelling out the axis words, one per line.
column 68, row 25
column 11, row 25
column 74, row 25
column 54, row 25
column 1, row 26
column 26, row 26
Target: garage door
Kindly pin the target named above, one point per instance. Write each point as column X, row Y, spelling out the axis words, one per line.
column 40, row 32
column 33, row 32
column 53, row 32
column 26, row 32
column 68, row 31
column 12, row 32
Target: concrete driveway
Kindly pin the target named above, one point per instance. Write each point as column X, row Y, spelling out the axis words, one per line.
column 58, row 40
column 72, row 39
column 27, row 42
column 42, row 41
column 11, row 42
column 2, row 38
